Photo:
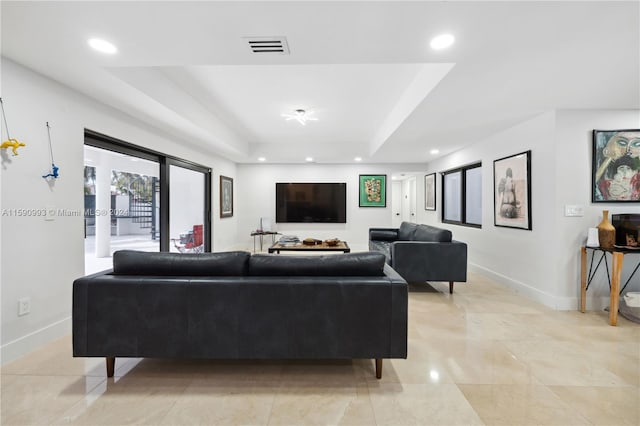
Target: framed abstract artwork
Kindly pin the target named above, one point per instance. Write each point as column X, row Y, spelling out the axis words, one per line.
column 430, row 192
column 226, row 196
column 615, row 171
column 512, row 191
column 373, row 191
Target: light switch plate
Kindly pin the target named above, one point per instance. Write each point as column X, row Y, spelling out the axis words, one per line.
column 573, row 210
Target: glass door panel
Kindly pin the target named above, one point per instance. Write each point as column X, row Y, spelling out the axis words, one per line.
column 187, row 213
column 121, row 206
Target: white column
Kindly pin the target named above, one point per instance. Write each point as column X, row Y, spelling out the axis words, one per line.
column 103, row 205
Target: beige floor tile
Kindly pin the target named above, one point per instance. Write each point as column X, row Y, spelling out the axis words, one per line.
column 322, row 405
column 512, row 405
column 411, row 371
column 129, row 400
column 479, row 362
column 569, row 363
column 407, row 404
column 602, row 406
column 328, row 372
column 499, row 303
column 214, row 402
column 38, row 400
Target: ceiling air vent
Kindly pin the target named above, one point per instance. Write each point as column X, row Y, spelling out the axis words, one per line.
column 277, row 45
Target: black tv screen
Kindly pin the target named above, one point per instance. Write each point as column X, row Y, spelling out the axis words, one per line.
column 311, row 202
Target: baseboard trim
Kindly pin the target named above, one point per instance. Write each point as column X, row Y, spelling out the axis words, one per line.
column 549, row 300
column 17, row 348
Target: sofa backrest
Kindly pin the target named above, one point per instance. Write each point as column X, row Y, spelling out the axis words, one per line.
column 406, row 230
column 131, row 262
column 348, row 264
column 432, row 234
column 409, row 231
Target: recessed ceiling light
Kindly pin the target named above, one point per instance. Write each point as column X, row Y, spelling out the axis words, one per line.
column 308, row 159
column 434, row 151
column 102, row 46
column 442, row 41
column 357, row 159
column 262, row 159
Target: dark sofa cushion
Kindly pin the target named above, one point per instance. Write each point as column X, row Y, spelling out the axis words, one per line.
column 432, row 234
column 406, row 230
column 335, row 265
column 383, row 235
column 131, row 262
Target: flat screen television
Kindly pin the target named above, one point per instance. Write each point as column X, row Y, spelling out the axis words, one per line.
column 311, row 202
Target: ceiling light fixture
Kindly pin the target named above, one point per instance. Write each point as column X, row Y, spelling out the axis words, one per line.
column 358, row 159
column 434, row 151
column 308, row 159
column 102, row 46
column 261, row 159
column 301, row 116
column 442, row 41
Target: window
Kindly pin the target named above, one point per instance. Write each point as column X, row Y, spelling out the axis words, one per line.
column 462, row 196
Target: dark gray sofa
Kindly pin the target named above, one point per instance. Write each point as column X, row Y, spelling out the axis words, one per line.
column 421, row 253
column 236, row 306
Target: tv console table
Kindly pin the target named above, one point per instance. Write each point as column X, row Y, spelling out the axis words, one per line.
column 617, row 256
column 341, row 246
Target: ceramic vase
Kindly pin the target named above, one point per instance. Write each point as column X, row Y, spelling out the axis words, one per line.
column 606, row 231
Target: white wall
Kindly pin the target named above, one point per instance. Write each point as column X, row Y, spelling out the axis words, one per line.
column 257, row 183
column 55, row 247
column 573, row 169
column 543, row 263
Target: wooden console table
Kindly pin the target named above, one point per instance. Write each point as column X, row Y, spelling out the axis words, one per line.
column 617, row 256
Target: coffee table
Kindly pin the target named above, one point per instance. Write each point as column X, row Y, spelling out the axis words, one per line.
column 341, row 246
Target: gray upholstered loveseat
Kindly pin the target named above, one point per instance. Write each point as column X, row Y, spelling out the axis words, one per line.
column 236, row 306
column 421, row 253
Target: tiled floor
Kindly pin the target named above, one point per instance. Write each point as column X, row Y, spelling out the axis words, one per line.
column 483, row 355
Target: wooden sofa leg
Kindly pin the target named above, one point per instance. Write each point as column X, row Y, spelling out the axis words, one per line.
column 378, row 368
column 111, row 363
column 450, row 287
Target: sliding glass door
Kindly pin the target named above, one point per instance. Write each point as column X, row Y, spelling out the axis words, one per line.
column 140, row 199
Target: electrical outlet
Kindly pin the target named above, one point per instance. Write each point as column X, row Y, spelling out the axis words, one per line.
column 24, row 306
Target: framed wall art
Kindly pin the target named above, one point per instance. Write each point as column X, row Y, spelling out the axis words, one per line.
column 226, row 196
column 373, row 190
column 512, row 191
column 430, row 192
column 615, row 167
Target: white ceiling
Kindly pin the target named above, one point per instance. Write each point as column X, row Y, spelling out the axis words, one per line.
column 365, row 69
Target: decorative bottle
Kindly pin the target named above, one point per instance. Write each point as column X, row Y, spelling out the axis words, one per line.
column 606, row 231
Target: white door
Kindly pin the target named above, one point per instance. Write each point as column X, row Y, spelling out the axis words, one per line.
column 396, row 203
column 406, row 201
column 412, row 199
